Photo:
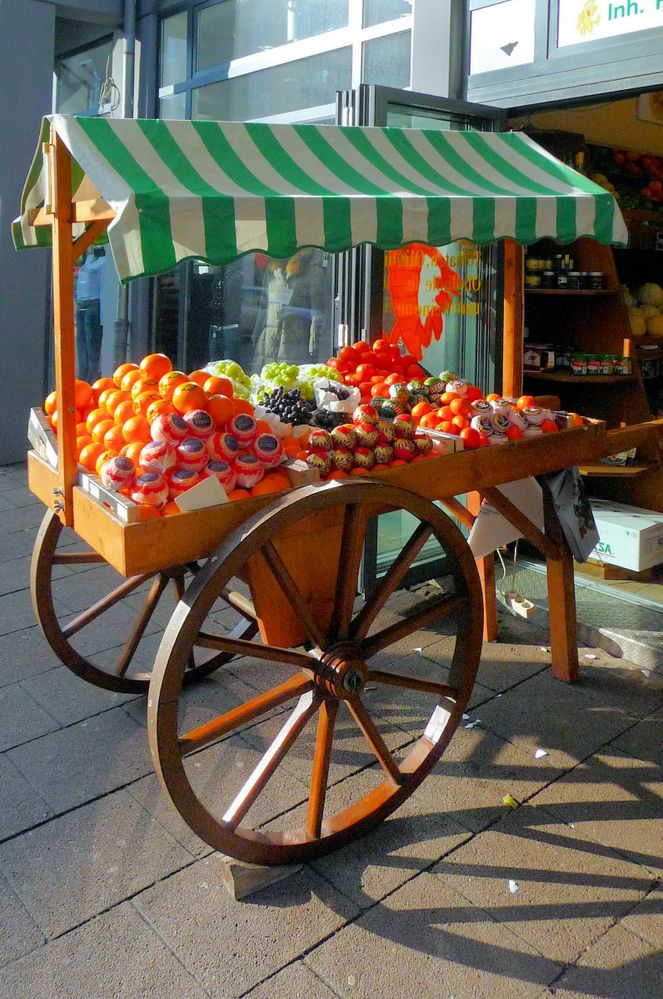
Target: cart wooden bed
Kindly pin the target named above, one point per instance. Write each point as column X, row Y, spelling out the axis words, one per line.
column 287, row 568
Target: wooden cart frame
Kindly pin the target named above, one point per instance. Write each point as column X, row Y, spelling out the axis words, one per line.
column 299, row 554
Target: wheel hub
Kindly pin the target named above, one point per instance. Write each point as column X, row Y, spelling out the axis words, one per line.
column 341, row 672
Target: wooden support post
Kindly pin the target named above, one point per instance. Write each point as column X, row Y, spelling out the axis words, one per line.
column 486, row 567
column 63, row 324
column 241, row 879
column 561, row 598
column 512, row 348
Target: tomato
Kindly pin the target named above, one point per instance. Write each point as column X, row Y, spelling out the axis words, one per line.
column 380, row 388
column 349, row 355
column 415, row 371
column 366, row 371
column 365, row 388
column 332, row 363
column 471, row 438
column 473, row 393
column 380, row 344
column 382, row 359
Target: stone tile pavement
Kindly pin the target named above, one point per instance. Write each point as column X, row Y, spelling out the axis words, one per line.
column 105, row 892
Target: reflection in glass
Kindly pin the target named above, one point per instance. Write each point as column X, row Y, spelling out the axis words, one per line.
column 79, row 78
column 254, row 311
column 173, row 62
column 379, row 11
column 173, row 107
column 290, row 87
column 386, row 60
column 237, row 28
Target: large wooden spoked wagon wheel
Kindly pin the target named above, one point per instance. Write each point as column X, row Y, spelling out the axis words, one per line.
column 365, row 726
column 102, row 626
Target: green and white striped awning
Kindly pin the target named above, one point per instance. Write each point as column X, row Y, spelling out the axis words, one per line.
column 216, row 190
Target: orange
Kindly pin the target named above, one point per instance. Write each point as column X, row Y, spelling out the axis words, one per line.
column 100, row 428
column 115, row 398
column 82, row 393
column 82, row 441
column 238, row 494
column 81, row 430
column 448, row 397
column 102, row 401
column 50, row 403
column 144, row 385
column 338, row 474
column 263, row 426
column 429, row 420
column 394, row 463
column 190, row 395
column 492, row 396
column 359, row 471
column 199, row 377
column 123, row 411
column 459, row 407
column 525, row 401
column 94, row 417
column 144, row 400
column 445, row 413
column 102, row 459
column 148, row 512
column 170, row 509
column 113, row 439
column 133, row 450
column 128, row 379
column 461, row 422
column 89, row 454
column 221, row 408
column 169, row 382
column 216, row 385
column 380, row 388
column 159, row 408
column 242, row 406
column 420, row 410
column 101, row 384
column 155, row 366
column 120, row 372
column 273, row 482
column 136, row 429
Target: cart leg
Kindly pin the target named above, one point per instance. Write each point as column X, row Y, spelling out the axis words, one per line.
column 561, row 599
column 486, row 567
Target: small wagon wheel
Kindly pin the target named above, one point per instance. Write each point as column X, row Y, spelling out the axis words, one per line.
column 333, row 680
column 124, row 607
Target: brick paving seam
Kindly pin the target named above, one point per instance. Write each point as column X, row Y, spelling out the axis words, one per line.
column 153, row 929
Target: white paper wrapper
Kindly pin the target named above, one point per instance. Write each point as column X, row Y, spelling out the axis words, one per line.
column 328, row 400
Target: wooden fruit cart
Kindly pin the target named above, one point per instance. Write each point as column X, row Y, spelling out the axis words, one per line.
column 288, row 568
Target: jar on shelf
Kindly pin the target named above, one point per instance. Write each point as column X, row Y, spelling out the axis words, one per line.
column 594, row 364
column 607, row 364
column 534, row 264
column 548, row 278
column 623, row 365
column 575, row 283
column 578, row 364
column 563, row 280
column 533, row 280
column 597, row 280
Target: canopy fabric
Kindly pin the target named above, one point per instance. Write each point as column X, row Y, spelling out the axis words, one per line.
column 216, row 190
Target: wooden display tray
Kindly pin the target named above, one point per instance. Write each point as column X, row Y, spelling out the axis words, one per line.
column 148, row 546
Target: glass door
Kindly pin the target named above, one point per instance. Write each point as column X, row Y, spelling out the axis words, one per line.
column 443, row 304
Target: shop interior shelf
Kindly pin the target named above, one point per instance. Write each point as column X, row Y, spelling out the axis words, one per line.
column 615, row 471
column 564, row 376
column 571, row 291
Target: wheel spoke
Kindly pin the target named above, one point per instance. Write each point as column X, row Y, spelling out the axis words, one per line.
column 240, row 603
column 295, row 598
column 130, row 646
column 375, row 740
column 77, row 558
column 101, row 606
column 242, row 630
column 241, row 647
column 320, row 772
column 390, row 582
column 352, row 545
column 442, row 608
column 204, row 734
column 410, row 683
column 307, row 706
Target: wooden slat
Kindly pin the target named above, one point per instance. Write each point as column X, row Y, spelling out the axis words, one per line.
column 561, row 599
column 63, row 322
column 512, row 351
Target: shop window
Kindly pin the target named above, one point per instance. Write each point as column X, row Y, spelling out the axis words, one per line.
column 79, row 79
column 173, row 61
column 502, row 36
column 236, row 28
column 173, row 107
column 386, row 60
column 379, row 11
column 290, row 87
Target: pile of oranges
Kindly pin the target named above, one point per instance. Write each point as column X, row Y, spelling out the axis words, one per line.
column 114, row 415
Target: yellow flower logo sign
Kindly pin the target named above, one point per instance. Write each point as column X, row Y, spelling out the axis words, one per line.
column 588, row 18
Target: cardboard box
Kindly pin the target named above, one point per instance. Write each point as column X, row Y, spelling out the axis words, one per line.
column 630, row 537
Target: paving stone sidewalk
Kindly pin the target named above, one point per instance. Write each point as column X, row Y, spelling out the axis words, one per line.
column 105, row 892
